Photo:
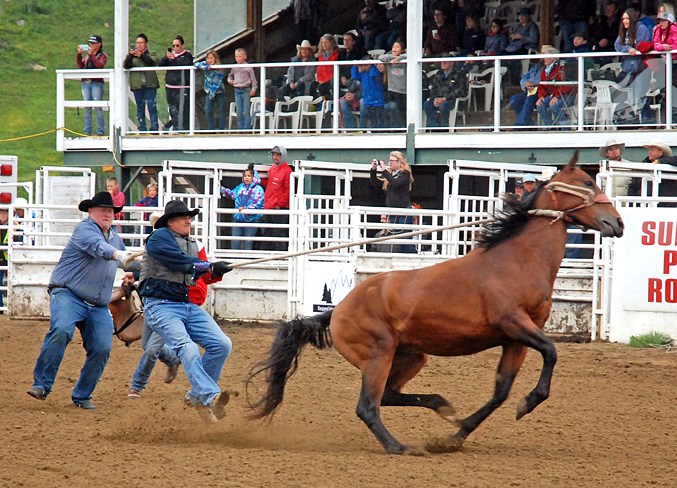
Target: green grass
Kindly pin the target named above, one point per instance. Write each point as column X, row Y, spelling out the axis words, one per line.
column 48, row 36
column 651, row 339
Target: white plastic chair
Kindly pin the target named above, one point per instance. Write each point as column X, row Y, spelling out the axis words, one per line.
column 375, row 53
column 232, row 117
column 458, row 112
column 313, row 110
column 604, row 106
column 477, row 81
column 289, row 113
column 255, row 110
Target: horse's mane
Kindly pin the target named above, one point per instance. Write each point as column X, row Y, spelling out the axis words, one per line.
column 509, row 221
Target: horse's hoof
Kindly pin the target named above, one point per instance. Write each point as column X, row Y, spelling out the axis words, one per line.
column 522, row 409
column 448, row 413
column 444, row 444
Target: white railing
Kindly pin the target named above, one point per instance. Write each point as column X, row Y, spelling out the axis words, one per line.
column 584, row 110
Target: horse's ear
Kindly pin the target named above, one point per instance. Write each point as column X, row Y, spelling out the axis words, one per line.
column 574, row 160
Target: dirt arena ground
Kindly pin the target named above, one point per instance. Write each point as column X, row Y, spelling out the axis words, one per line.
column 611, row 421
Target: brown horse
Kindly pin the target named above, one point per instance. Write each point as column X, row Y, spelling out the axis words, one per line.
column 127, row 314
column 389, row 324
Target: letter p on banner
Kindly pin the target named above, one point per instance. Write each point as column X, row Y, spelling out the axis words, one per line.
column 669, row 260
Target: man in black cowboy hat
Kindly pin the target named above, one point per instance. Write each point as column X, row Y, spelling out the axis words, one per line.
column 170, row 265
column 80, row 288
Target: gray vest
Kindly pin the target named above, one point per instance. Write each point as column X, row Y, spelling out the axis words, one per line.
column 153, row 268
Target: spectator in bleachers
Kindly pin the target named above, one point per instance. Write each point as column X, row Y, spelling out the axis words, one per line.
column 496, row 40
column 665, row 33
column 524, row 102
column 441, row 37
column 144, row 84
column 371, row 21
column 215, row 91
column 325, row 73
column 472, row 37
column 306, row 20
column 177, row 84
column 553, row 98
column 397, row 27
column 243, row 81
column 300, row 77
column 351, row 101
column 657, row 153
column 580, row 43
column 606, row 30
column 642, row 17
column 449, row 83
column 573, row 16
column 92, row 88
column 396, row 106
column 373, row 97
column 352, row 51
column 525, row 35
column 630, row 34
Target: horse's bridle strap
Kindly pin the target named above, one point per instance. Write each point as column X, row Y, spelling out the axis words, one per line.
column 588, row 196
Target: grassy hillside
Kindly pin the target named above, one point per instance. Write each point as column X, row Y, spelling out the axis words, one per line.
column 46, row 33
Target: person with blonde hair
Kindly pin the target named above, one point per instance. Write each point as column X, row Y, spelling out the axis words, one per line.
column 397, row 184
column 324, row 74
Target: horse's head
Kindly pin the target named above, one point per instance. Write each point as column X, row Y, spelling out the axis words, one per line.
column 576, row 195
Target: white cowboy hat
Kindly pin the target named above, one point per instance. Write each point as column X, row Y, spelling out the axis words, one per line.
column 608, row 144
column 548, row 49
column 660, row 145
column 305, row 43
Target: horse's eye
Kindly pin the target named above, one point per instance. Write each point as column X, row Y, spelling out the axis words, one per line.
column 588, row 183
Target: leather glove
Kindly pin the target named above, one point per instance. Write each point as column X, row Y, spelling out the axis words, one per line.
column 221, row 267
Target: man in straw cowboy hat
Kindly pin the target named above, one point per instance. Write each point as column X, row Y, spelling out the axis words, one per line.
column 171, row 264
column 299, row 77
column 657, row 153
column 153, row 345
column 612, row 150
column 80, row 288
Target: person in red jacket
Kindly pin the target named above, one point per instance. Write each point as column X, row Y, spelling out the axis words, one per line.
column 154, row 347
column 328, row 52
column 553, row 97
column 277, row 198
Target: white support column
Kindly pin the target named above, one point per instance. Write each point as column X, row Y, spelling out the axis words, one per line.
column 414, row 55
column 119, row 79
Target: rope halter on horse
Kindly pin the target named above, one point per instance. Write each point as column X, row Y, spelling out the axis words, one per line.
column 588, row 196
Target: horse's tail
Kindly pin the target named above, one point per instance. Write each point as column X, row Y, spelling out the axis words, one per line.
column 282, row 359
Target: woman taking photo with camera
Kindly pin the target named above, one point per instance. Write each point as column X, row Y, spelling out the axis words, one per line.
column 396, row 181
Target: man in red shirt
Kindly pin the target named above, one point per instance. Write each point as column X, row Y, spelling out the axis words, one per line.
column 277, row 197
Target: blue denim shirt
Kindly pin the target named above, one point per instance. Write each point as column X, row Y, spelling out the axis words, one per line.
column 86, row 266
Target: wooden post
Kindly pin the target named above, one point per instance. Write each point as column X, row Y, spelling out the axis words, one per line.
column 255, row 22
column 547, row 22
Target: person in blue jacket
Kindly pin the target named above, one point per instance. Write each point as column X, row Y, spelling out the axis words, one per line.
column 80, row 288
column 170, row 266
column 248, row 195
column 373, row 94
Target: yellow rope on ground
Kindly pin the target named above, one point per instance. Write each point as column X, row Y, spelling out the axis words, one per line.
column 39, row 134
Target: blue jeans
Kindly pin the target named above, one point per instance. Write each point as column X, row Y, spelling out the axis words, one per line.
column 220, row 102
column 376, row 116
column 242, row 108
column 146, row 97
column 154, row 348
column 184, row 325
column 93, row 91
column 346, row 108
column 243, row 232
column 67, row 311
column 437, row 116
column 553, row 114
column 523, row 105
column 406, row 220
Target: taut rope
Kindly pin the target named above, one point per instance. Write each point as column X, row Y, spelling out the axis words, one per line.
column 359, row 243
